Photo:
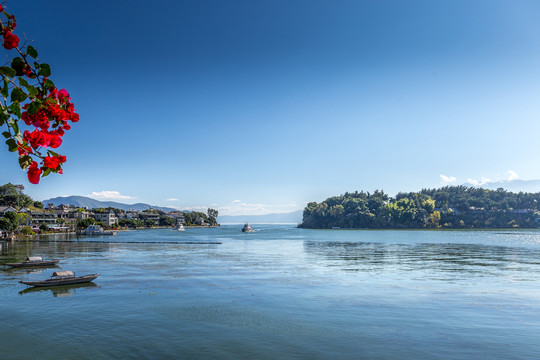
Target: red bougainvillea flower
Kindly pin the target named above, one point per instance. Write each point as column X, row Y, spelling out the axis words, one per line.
column 39, row 119
column 11, row 40
column 35, row 138
column 63, row 96
column 54, row 139
column 54, row 162
column 1, row 8
column 34, row 173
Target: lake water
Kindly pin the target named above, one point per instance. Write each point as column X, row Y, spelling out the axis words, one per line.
column 279, row 293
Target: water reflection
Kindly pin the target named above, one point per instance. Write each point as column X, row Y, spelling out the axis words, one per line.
column 30, row 269
column 59, row 291
column 49, row 249
column 445, row 257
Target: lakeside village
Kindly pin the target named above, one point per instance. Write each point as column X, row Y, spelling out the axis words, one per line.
column 22, row 217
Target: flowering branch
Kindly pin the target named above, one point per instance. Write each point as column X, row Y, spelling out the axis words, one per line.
column 37, row 102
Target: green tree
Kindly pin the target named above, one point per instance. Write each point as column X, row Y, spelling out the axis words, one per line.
column 9, row 222
column 84, row 223
column 166, row 221
column 27, row 230
column 23, row 218
column 434, row 219
column 149, row 223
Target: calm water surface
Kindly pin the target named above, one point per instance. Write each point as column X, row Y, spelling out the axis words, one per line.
column 279, row 293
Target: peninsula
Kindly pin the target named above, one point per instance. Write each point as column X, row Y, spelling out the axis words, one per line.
column 450, row 207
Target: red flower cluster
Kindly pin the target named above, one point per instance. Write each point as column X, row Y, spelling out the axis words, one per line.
column 56, row 108
column 11, row 40
column 42, row 138
column 54, row 113
column 34, row 173
column 54, row 162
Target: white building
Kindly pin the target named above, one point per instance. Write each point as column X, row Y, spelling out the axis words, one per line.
column 108, row 218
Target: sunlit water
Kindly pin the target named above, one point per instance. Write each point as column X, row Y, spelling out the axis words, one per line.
column 279, row 293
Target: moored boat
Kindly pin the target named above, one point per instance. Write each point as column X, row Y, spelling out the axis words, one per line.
column 247, row 228
column 34, row 261
column 62, row 278
column 180, row 227
column 97, row 230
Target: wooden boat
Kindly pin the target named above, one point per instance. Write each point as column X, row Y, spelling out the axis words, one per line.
column 62, row 278
column 34, row 261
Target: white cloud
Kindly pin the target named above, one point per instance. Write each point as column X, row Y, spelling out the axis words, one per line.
column 447, row 179
column 478, row 182
column 512, row 175
column 109, row 195
column 237, row 201
column 172, row 199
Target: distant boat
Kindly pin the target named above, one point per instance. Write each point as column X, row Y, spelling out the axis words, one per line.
column 62, row 278
column 247, row 228
column 180, row 227
column 34, row 261
column 97, row 230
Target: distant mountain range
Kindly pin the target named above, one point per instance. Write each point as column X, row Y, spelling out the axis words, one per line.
column 529, row 186
column 294, row 217
column 82, row 201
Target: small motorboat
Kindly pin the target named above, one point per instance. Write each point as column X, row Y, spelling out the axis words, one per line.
column 97, row 230
column 180, row 227
column 62, row 278
column 247, row 228
column 34, row 261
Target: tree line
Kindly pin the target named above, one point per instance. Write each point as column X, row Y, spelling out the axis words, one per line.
column 447, row 207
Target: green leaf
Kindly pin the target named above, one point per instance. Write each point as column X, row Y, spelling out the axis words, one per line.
column 44, row 70
column 12, row 145
column 33, row 108
column 7, row 71
column 22, row 82
column 18, row 64
column 30, row 50
column 3, row 118
column 18, row 95
column 49, row 84
column 5, row 88
column 6, row 134
column 46, row 172
column 32, row 91
column 52, row 153
column 25, row 161
column 15, row 127
column 16, row 110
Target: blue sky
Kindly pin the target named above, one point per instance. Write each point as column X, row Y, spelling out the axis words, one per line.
column 255, row 107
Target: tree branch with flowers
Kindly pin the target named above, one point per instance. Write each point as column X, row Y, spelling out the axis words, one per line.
column 29, row 97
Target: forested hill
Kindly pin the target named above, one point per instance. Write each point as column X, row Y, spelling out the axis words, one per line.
column 447, row 207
